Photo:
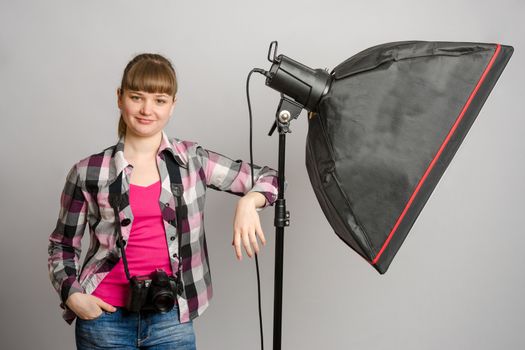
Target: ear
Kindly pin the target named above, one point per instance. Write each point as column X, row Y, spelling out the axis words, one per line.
column 119, row 98
column 173, row 105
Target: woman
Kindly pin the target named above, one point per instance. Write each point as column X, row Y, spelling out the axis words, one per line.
column 140, row 219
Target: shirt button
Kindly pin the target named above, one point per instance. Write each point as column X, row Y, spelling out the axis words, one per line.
column 174, row 255
column 167, row 204
column 125, row 222
column 172, row 238
column 121, row 243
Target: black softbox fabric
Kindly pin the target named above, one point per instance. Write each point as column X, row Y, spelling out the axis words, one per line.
column 384, row 134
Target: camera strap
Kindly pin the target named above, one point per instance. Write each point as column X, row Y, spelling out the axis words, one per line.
column 115, row 200
column 180, row 209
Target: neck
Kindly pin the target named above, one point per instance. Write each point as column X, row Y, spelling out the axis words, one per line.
column 141, row 145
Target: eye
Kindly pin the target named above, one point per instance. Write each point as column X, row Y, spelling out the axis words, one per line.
column 161, row 101
column 135, row 97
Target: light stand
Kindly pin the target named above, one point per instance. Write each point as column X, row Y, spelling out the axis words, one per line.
column 306, row 86
column 286, row 112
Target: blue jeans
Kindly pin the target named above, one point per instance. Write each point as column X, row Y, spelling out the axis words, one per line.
column 131, row 330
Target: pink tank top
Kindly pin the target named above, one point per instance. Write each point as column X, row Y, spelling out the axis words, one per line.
column 146, row 249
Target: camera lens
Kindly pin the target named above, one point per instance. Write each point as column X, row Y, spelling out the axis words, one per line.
column 164, row 300
column 162, row 296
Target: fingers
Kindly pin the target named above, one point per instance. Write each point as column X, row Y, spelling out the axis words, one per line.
column 247, row 230
column 105, row 306
column 84, row 306
column 260, row 233
column 237, row 244
column 247, row 238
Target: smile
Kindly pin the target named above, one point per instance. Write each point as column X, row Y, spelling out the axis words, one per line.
column 145, row 121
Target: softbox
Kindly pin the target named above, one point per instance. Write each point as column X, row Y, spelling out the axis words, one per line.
column 387, row 129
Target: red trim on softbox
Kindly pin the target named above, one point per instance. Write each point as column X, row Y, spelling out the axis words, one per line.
column 438, row 154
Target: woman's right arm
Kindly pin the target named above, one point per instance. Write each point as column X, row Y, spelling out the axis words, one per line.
column 64, row 242
column 65, row 248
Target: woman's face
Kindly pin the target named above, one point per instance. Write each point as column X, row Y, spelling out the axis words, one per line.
column 144, row 113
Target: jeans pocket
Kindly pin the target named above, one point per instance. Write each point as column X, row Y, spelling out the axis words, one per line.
column 100, row 332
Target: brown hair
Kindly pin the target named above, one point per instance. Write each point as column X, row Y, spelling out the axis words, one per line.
column 151, row 73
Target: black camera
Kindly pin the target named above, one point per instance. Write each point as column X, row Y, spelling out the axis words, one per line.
column 154, row 292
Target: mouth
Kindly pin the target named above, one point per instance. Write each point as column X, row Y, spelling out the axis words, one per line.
column 145, row 121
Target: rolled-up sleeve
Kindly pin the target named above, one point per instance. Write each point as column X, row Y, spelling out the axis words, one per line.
column 234, row 176
column 65, row 241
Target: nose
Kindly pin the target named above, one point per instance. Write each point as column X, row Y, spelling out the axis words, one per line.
column 146, row 107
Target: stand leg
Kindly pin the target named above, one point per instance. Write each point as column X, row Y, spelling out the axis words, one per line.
column 278, row 293
column 281, row 220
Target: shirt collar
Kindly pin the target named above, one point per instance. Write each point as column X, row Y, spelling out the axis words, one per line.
column 166, row 145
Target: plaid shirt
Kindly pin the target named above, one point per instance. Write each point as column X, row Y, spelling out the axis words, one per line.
column 84, row 201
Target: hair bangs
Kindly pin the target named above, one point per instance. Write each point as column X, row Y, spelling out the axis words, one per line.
column 152, row 77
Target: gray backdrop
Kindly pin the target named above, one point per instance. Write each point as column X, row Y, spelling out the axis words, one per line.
column 457, row 283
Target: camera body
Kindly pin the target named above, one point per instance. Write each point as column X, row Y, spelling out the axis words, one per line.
column 154, row 292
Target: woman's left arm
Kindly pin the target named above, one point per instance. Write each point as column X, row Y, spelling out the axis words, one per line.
column 234, row 176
